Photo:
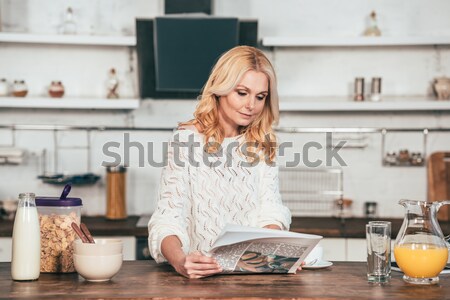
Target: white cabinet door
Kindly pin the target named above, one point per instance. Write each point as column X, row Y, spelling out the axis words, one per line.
column 5, row 249
column 356, row 250
column 129, row 245
column 333, row 249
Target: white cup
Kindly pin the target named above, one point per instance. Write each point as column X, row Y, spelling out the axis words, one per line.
column 315, row 256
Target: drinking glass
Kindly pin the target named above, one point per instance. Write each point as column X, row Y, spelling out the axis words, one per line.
column 378, row 236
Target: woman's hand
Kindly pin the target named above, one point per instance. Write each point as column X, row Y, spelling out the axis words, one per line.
column 272, row 226
column 196, row 265
column 193, row 265
column 301, row 265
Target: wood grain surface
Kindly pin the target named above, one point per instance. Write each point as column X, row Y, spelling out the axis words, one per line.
column 116, row 207
column 146, row 280
column 438, row 170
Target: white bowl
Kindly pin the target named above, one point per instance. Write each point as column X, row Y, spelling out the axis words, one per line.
column 101, row 247
column 97, row 268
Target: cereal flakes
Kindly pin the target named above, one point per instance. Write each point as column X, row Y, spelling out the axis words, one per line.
column 57, row 237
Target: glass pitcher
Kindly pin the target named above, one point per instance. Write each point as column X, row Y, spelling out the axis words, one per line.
column 420, row 249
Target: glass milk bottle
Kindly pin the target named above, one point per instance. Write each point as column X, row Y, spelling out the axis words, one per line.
column 26, row 243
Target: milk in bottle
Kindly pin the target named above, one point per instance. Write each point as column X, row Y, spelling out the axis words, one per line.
column 26, row 243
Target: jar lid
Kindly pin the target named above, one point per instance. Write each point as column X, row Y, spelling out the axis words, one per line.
column 116, row 169
column 56, row 201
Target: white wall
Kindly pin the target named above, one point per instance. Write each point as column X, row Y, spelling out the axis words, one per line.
column 301, row 72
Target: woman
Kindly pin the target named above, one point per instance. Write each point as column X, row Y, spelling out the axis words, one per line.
column 224, row 171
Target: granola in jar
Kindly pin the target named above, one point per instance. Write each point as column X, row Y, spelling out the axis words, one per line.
column 57, row 235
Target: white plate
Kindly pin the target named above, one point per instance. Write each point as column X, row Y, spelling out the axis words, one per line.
column 318, row 265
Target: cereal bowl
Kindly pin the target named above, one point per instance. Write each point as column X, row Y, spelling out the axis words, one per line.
column 97, row 268
column 101, row 247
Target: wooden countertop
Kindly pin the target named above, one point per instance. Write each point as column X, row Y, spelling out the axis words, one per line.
column 325, row 226
column 146, row 280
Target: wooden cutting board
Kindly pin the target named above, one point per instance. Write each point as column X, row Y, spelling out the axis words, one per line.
column 439, row 181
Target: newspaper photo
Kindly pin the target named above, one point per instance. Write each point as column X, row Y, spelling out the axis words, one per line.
column 242, row 249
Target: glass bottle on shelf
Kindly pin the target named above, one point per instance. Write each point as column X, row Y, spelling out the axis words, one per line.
column 4, row 87
column 19, row 88
column 69, row 26
column 373, row 29
column 112, row 85
column 375, row 90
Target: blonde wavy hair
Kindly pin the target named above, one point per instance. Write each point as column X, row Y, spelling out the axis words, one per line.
column 224, row 77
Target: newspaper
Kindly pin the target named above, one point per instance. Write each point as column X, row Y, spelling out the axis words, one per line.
column 241, row 249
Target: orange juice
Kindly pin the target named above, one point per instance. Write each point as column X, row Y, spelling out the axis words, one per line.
column 421, row 260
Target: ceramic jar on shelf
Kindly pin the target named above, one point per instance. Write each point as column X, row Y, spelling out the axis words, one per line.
column 442, row 88
column 19, row 88
column 56, row 89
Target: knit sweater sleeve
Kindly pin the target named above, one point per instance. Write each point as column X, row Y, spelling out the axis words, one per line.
column 169, row 217
column 272, row 210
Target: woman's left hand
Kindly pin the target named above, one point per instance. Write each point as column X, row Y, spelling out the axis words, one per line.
column 301, row 265
column 272, row 226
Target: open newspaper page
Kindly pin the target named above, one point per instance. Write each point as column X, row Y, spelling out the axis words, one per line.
column 241, row 249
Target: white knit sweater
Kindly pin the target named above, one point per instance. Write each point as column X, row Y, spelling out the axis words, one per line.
column 195, row 202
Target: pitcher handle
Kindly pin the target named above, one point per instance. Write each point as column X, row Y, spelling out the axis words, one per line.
column 440, row 204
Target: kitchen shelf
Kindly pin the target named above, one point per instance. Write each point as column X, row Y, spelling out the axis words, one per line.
column 69, row 103
column 94, row 40
column 394, row 104
column 284, row 41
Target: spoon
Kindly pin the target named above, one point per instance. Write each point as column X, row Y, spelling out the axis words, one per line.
column 80, row 233
column 87, row 233
column 311, row 263
column 65, row 192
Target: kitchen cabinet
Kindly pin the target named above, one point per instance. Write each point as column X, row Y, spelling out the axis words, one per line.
column 346, row 249
column 59, row 39
column 129, row 245
column 284, row 41
column 5, row 249
column 334, row 249
column 402, row 103
column 356, row 250
column 343, row 104
column 69, row 102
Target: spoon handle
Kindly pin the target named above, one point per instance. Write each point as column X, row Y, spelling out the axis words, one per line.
column 65, row 191
column 87, row 233
column 79, row 232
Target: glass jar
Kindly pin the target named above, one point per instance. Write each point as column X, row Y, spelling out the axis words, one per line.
column 19, row 88
column 373, row 29
column 57, row 235
column 420, row 249
column 343, row 208
column 56, row 89
column 116, row 207
column 69, row 26
column 4, row 87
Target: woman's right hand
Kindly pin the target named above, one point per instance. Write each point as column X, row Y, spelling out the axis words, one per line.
column 196, row 265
